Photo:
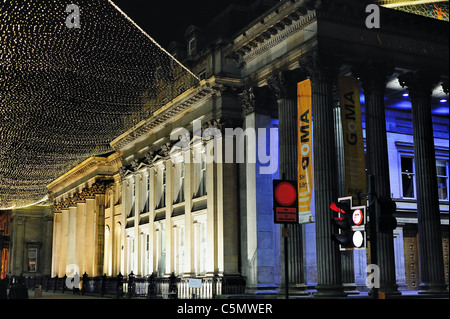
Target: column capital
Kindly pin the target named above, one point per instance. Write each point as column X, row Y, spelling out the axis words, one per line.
column 373, row 75
column 65, row 204
column 256, row 99
column 445, row 86
column 284, row 83
column 419, row 83
column 78, row 197
column 57, row 207
column 72, row 201
column 320, row 66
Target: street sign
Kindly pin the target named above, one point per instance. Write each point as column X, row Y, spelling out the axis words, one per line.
column 285, row 202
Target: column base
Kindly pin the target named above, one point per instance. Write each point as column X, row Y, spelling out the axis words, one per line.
column 330, row 292
column 390, row 291
column 435, row 289
column 294, row 290
column 262, row 289
column 351, row 289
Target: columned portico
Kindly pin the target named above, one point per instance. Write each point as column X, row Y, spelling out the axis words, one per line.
column 420, row 85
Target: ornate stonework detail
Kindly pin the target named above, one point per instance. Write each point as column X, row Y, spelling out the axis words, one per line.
column 165, row 150
column 65, row 204
column 419, row 83
column 98, row 189
column 373, row 75
column 79, row 198
column 256, row 99
column 149, row 157
column 319, row 66
column 445, row 86
column 213, row 124
column 284, row 83
column 135, row 164
column 122, row 172
column 72, row 201
column 57, row 207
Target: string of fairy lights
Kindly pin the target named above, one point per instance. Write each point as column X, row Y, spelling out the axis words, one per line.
column 66, row 93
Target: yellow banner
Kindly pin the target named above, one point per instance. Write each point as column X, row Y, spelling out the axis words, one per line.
column 355, row 174
column 305, row 150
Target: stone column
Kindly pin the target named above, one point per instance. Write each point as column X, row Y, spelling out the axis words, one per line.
column 322, row 71
column 64, row 235
column 420, row 85
column 89, row 241
column 284, row 85
column 260, row 241
column 99, row 228
column 188, row 267
column 56, row 247
column 80, row 230
column 374, row 77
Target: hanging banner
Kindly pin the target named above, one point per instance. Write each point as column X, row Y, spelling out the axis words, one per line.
column 354, row 160
column 305, row 150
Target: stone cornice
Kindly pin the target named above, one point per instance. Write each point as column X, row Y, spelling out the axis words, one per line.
column 82, row 169
column 213, row 86
column 277, row 26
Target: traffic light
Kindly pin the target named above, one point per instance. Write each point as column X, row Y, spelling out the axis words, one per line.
column 387, row 210
column 285, row 202
column 351, row 224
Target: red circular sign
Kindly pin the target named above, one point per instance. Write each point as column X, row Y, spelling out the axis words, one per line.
column 357, row 217
column 285, row 194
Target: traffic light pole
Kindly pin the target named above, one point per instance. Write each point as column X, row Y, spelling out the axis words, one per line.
column 373, row 207
column 286, row 261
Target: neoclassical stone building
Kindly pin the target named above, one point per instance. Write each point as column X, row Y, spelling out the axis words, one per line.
column 159, row 205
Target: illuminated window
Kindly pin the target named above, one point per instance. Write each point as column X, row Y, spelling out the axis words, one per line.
column 179, row 182
column 180, row 254
column 442, row 178
column 161, row 254
column 201, row 176
column 32, row 259
column 407, row 166
column 201, row 244
column 162, row 188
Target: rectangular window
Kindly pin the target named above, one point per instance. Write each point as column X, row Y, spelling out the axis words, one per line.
column 202, row 186
column 181, row 250
column 442, row 178
column 162, row 199
column 32, row 259
column 192, row 45
column 407, row 166
column 181, row 192
column 203, row 248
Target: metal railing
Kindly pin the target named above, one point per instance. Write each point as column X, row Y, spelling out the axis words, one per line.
column 149, row 287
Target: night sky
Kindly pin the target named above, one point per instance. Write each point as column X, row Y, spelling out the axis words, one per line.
column 166, row 21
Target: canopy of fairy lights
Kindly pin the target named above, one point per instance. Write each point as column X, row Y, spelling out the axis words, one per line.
column 436, row 9
column 72, row 78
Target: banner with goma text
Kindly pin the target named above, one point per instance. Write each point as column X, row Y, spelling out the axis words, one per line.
column 305, row 151
column 354, row 160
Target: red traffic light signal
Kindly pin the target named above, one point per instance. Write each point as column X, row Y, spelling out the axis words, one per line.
column 285, row 202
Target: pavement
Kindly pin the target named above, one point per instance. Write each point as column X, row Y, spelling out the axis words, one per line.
column 406, row 294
